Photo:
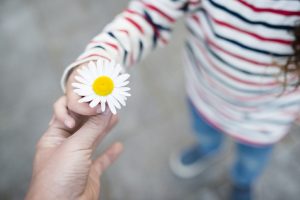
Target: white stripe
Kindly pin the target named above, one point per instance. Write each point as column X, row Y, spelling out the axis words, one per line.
column 268, row 17
column 262, row 30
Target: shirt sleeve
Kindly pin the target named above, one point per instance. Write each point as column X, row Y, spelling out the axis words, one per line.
column 139, row 29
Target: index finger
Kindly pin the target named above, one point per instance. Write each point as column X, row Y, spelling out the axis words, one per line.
column 94, row 128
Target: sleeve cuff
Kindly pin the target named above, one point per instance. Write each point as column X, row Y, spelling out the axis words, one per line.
column 69, row 69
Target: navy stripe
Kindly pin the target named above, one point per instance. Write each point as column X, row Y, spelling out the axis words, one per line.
column 238, row 43
column 155, row 34
column 263, row 105
column 269, row 91
column 157, row 28
column 99, row 46
column 141, row 49
column 247, row 20
column 125, row 51
column 215, row 55
column 203, row 83
column 268, row 103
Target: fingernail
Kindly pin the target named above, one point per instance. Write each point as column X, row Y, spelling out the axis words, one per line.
column 69, row 123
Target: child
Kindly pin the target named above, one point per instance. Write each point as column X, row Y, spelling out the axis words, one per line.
column 242, row 61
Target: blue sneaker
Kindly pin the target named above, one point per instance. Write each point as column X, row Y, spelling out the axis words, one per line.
column 241, row 192
column 191, row 162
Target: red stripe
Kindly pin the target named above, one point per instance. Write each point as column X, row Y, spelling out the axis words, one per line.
column 210, row 42
column 236, row 55
column 231, row 76
column 152, row 7
column 221, row 23
column 135, row 24
column 112, row 45
column 216, row 84
column 212, row 101
column 124, row 31
column 107, row 43
column 155, row 30
column 134, row 12
column 225, row 90
column 275, row 11
column 195, row 2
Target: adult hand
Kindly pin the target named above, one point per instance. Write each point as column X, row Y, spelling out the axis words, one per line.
column 63, row 167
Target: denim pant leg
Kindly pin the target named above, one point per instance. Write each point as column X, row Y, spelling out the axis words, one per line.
column 249, row 163
column 209, row 138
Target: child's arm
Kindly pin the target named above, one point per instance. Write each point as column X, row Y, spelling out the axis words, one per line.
column 140, row 28
column 143, row 26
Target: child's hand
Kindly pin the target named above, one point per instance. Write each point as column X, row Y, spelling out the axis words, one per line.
column 69, row 102
column 72, row 98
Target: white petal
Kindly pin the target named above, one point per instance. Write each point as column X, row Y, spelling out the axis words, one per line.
column 110, row 70
column 119, row 98
column 112, row 107
column 124, row 89
column 87, row 98
column 122, row 84
column 114, row 102
column 122, row 78
column 77, row 85
column 103, row 102
column 117, row 71
column 92, row 69
column 125, row 94
column 82, row 80
column 105, row 69
column 85, row 73
column 100, row 64
column 95, row 102
column 80, row 86
column 82, row 92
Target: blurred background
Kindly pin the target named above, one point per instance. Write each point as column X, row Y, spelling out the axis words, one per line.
column 39, row 38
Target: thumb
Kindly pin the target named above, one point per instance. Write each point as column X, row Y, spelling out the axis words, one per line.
column 94, row 128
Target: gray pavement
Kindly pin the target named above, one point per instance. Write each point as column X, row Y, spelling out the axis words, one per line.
column 38, row 38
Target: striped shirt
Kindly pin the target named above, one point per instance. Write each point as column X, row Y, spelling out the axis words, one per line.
column 231, row 56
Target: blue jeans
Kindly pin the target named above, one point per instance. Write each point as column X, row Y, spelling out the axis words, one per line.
column 250, row 160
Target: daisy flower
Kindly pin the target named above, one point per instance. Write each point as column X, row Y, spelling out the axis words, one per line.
column 101, row 83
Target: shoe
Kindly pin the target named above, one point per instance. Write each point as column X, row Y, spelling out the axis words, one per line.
column 239, row 192
column 191, row 162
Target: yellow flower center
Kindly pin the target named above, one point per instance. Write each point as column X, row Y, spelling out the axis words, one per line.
column 103, row 86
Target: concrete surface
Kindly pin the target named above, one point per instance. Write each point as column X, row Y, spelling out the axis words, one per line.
column 38, row 38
